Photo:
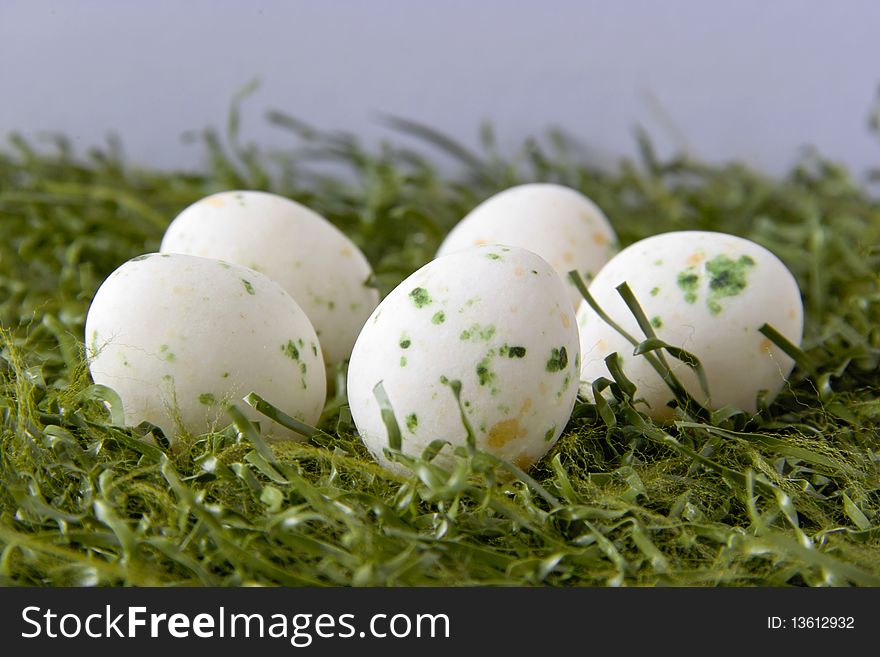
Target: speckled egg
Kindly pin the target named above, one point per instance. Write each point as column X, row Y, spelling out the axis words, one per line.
column 321, row 268
column 558, row 223
column 175, row 336
column 497, row 319
column 708, row 293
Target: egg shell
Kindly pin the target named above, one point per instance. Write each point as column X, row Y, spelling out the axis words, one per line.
column 497, row 319
column 321, row 268
column 175, row 336
column 707, row 293
column 558, row 223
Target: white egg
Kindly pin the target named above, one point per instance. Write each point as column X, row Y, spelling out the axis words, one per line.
column 497, row 319
column 176, row 336
column 314, row 261
column 558, row 223
column 708, row 293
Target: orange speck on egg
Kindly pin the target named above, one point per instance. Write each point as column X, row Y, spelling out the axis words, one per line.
column 663, row 414
column 503, row 432
column 600, row 239
column 519, row 271
column 480, row 242
column 696, row 258
column 766, row 345
column 565, row 321
column 542, row 388
column 602, row 345
column 215, row 201
column 568, row 256
column 513, row 310
column 523, row 461
column 345, row 251
column 526, row 405
column 792, row 314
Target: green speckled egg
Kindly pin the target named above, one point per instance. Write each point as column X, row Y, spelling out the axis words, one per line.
column 708, row 293
column 175, row 336
column 496, row 318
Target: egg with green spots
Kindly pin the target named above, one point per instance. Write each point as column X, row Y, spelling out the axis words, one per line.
column 558, row 223
column 179, row 336
column 321, row 268
column 709, row 294
column 508, row 335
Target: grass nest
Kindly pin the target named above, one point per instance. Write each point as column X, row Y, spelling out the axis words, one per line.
column 787, row 497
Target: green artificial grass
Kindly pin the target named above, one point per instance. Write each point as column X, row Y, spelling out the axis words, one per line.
column 788, row 497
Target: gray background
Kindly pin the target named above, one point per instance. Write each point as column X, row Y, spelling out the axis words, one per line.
column 750, row 79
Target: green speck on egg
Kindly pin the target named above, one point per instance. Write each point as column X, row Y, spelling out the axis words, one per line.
column 549, row 435
column 314, row 348
column 494, row 256
column 512, row 352
column 403, row 361
column 290, row 350
column 166, row 354
column 727, row 278
column 439, row 317
column 444, row 379
column 655, row 291
column 405, row 342
column 478, row 333
column 688, row 281
column 139, row 258
column 303, row 368
column 248, row 286
column 207, row 399
column 412, row 421
column 656, row 322
column 225, row 375
column 420, row 297
column 558, row 359
column 565, row 382
column 485, row 375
